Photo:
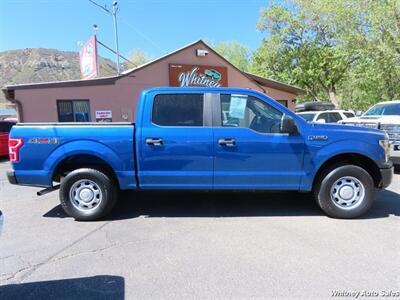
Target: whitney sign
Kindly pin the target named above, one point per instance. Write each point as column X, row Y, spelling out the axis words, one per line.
column 197, row 75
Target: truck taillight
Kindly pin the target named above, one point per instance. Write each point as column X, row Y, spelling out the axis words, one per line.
column 14, row 144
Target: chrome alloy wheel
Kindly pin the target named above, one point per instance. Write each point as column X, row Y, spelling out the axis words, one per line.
column 347, row 192
column 85, row 195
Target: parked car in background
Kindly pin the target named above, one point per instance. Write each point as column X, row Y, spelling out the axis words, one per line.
column 5, row 128
column 384, row 116
column 326, row 116
column 314, row 106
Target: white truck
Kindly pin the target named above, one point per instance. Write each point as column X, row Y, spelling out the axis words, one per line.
column 384, row 116
column 326, row 116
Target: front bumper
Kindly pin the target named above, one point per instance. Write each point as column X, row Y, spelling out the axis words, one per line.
column 395, row 152
column 386, row 175
column 11, row 177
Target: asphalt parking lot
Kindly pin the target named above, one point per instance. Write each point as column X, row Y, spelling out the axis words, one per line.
column 196, row 246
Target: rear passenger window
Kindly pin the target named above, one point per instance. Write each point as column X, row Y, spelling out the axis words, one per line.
column 178, row 110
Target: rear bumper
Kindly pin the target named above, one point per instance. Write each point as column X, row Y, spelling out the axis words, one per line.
column 37, row 178
column 11, row 177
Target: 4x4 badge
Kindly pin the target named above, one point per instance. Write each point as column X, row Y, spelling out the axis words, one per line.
column 43, row 140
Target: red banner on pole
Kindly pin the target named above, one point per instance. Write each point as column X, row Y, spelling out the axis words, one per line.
column 88, row 59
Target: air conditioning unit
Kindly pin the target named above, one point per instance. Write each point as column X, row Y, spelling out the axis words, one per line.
column 201, row 52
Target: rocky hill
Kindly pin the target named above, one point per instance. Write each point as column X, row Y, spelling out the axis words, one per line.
column 43, row 65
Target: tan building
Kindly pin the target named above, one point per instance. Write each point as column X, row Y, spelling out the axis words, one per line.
column 115, row 98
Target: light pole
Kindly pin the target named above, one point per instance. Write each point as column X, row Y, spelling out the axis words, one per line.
column 114, row 14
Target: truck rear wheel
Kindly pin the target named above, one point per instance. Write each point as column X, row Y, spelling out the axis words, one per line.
column 345, row 191
column 87, row 194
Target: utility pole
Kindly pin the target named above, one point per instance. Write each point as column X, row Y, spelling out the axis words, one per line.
column 113, row 13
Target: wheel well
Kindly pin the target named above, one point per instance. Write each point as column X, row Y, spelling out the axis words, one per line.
column 83, row 161
column 354, row 159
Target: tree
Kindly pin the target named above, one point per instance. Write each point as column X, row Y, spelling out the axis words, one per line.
column 235, row 53
column 344, row 50
column 137, row 57
column 302, row 48
column 376, row 75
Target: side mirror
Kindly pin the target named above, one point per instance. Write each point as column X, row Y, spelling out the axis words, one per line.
column 321, row 121
column 288, row 125
column 358, row 113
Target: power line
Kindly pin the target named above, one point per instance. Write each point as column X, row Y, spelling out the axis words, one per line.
column 142, row 35
column 102, row 7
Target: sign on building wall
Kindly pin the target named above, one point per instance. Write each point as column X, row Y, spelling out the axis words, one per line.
column 88, row 59
column 103, row 116
column 197, row 75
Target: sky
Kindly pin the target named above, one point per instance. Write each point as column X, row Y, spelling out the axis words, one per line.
column 153, row 26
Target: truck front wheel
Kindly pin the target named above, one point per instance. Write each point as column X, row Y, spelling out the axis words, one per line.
column 345, row 191
column 87, row 194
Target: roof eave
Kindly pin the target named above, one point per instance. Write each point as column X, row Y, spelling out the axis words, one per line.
column 286, row 87
column 66, row 83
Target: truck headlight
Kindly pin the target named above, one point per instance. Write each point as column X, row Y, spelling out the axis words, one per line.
column 386, row 148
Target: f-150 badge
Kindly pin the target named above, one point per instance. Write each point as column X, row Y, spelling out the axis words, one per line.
column 317, row 137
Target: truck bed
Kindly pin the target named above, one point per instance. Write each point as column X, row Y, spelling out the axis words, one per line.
column 77, row 124
column 47, row 145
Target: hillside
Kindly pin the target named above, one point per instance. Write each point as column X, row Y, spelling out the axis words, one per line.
column 43, row 65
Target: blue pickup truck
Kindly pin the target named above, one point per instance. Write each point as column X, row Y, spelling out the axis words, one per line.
column 202, row 139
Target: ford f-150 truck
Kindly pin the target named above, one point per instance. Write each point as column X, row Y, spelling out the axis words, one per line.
column 202, row 139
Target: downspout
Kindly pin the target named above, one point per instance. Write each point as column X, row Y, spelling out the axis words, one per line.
column 19, row 110
column 17, row 103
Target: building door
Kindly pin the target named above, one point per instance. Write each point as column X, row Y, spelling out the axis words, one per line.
column 250, row 152
column 175, row 142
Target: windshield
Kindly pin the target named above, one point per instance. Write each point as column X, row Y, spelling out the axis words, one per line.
column 308, row 117
column 387, row 109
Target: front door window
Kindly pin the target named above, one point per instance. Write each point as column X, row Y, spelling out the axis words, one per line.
column 249, row 112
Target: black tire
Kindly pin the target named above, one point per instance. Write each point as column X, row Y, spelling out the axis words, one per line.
column 97, row 181
column 330, row 204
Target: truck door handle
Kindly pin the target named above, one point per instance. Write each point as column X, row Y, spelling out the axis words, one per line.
column 154, row 141
column 227, row 142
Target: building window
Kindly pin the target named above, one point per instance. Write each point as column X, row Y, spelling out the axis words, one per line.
column 73, row 110
column 178, row 110
column 283, row 102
